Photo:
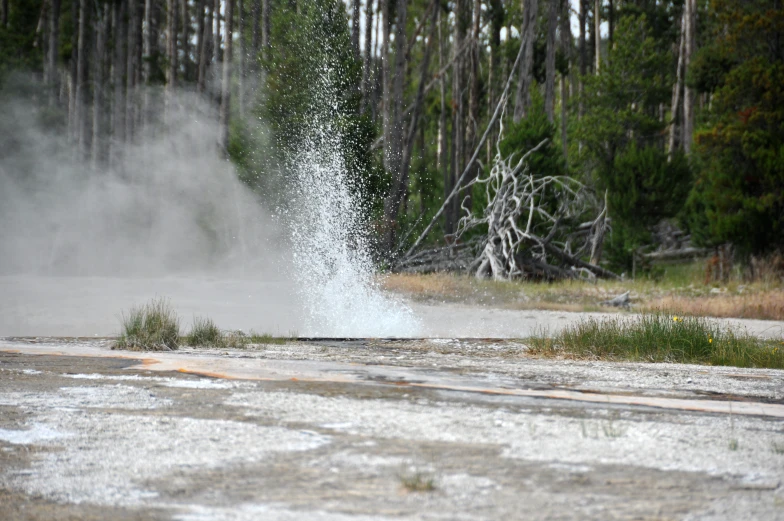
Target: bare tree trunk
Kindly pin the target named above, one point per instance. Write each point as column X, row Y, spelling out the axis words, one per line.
column 549, row 82
column 223, row 137
column 185, row 42
column 256, row 31
column 458, row 115
column 368, row 59
column 119, row 65
column 72, row 114
column 98, row 86
column 386, row 106
column 132, row 65
column 147, row 66
column 496, row 15
column 528, row 33
column 198, row 54
column 82, row 86
column 583, row 56
column 443, row 152
column 242, row 60
column 610, row 23
column 355, row 27
column 206, row 49
column 566, row 48
column 52, row 52
column 171, row 49
column 688, row 95
column 265, row 26
column 597, row 21
column 676, row 91
column 473, row 98
column 216, row 74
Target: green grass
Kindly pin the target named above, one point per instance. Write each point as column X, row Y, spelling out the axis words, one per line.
column 205, row 333
column 152, row 327
column 659, row 337
column 418, row 482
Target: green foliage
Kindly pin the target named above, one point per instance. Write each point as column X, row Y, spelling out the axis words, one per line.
column 152, row 327
column 18, row 48
column 643, row 188
column 658, row 337
column 738, row 196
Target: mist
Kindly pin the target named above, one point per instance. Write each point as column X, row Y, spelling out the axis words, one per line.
column 166, row 216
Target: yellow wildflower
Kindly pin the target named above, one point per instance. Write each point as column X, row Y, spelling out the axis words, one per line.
column 710, row 340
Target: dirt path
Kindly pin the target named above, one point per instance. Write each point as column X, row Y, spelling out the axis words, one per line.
column 335, row 431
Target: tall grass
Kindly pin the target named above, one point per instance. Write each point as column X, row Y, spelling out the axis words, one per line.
column 658, row 337
column 152, row 327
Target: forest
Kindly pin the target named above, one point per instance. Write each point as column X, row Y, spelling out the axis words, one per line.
column 541, row 139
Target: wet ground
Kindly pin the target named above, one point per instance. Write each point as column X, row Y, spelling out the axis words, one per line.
column 374, row 429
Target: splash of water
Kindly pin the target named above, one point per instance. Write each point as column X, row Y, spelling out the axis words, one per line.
column 336, row 275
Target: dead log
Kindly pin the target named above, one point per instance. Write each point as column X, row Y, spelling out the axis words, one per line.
column 621, row 301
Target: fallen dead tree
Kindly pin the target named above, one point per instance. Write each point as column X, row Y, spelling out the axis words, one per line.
column 530, row 228
column 520, row 203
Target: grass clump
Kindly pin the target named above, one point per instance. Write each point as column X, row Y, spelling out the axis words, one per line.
column 418, row 482
column 152, row 327
column 658, row 337
column 204, row 333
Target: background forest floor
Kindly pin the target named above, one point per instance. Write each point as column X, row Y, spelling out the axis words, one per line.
column 678, row 289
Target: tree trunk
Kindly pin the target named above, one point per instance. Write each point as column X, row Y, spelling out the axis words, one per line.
column 458, row 114
column 118, row 69
column 473, row 98
column 223, row 138
column 82, row 78
column 265, row 26
column 131, row 66
column 386, row 106
column 242, row 60
column 549, row 82
column 98, row 86
column 216, row 51
column 72, row 119
column 206, row 49
column 53, row 41
column 185, row 42
column 566, row 48
column 583, row 56
column 368, row 59
column 256, row 31
column 443, row 151
column 199, row 40
column 355, row 27
column 676, row 91
column 149, row 35
column 597, row 34
column 688, row 95
column 528, row 33
column 496, row 15
column 171, row 48
column 5, row 13
column 610, row 24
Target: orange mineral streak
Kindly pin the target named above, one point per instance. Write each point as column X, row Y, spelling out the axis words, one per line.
column 264, row 370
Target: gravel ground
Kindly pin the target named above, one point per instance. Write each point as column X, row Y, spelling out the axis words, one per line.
column 335, row 430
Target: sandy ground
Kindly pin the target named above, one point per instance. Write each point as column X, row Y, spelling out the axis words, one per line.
column 92, row 306
column 333, row 431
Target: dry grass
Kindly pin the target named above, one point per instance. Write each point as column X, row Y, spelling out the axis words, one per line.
column 680, row 290
column 152, row 327
column 418, row 482
column 766, row 305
